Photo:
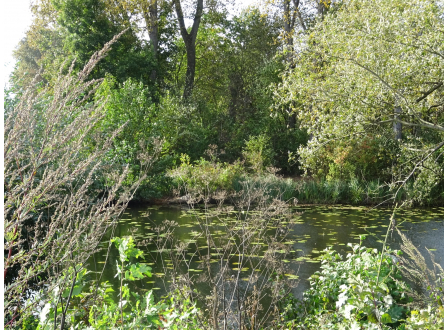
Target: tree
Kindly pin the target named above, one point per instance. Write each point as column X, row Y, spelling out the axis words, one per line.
column 189, row 39
column 41, row 47
column 69, row 28
column 297, row 17
column 363, row 62
column 151, row 19
column 157, row 20
column 86, row 25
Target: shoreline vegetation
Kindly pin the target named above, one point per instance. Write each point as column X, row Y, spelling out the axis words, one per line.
column 119, row 101
column 213, row 176
column 308, row 192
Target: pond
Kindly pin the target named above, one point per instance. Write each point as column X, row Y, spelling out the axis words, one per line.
column 313, row 230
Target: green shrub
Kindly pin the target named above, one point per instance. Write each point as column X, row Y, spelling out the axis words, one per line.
column 357, row 191
column 273, row 185
column 205, row 177
column 98, row 309
column 258, row 153
column 428, row 318
column 365, row 158
column 348, row 294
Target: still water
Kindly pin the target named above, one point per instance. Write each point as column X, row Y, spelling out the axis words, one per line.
column 313, row 230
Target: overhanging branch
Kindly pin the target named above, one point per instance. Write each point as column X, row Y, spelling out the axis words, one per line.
column 426, row 94
column 402, row 183
column 422, row 124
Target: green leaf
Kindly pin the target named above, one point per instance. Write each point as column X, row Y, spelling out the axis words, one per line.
column 385, row 318
column 77, row 289
column 126, row 248
column 384, row 286
column 154, row 319
column 396, row 312
column 138, row 271
column 372, row 318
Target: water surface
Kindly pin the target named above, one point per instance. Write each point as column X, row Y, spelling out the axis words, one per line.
column 314, row 229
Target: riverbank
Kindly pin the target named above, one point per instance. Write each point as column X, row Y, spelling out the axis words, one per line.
column 308, row 191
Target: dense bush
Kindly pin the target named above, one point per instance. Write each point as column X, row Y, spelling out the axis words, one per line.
column 258, row 153
column 350, row 292
column 204, row 178
column 364, row 291
column 366, row 158
column 100, row 309
column 216, row 176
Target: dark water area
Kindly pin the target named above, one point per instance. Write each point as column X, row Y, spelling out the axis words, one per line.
column 314, row 229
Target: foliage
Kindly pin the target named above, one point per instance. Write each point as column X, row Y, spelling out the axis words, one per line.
column 237, row 63
column 361, row 100
column 136, row 123
column 424, row 183
column 140, row 110
column 428, row 306
column 64, row 29
column 364, row 68
column 185, row 128
column 41, row 48
column 53, row 221
column 214, row 176
column 258, row 153
column 205, row 178
column 348, row 292
column 133, row 310
column 365, row 292
column 87, row 25
column 365, row 158
column 428, row 318
column 144, row 313
column 272, row 184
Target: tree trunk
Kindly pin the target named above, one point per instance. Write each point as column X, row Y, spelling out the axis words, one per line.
column 190, row 43
column 154, row 28
column 397, row 125
column 288, row 25
column 292, row 120
column 289, row 20
column 322, row 8
column 151, row 19
column 236, row 86
column 191, row 67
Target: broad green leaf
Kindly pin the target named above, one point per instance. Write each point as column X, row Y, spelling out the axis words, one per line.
column 372, row 318
column 385, row 318
column 77, row 289
column 154, row 319
column 138, row 271
column 396, row 312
